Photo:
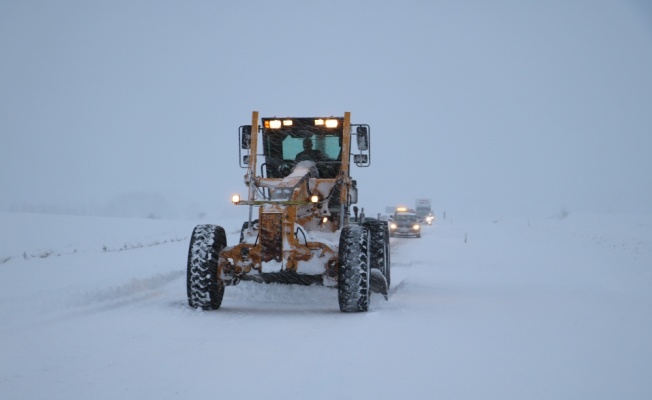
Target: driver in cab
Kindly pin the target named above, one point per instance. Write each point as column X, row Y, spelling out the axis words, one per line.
column 310, row 154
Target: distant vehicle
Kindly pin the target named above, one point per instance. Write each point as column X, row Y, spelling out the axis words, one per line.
column 423, row 209
column 405, row 223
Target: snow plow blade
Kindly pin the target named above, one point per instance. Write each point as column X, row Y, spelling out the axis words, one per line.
column 378, row 283
column 285, row 277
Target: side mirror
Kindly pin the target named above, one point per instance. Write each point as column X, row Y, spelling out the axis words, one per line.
column 245, row 159
column 353, row 195
column 245, row 137
column 362, row 133
column 360, row 159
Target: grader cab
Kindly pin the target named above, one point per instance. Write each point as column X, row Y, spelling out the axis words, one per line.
column 300, row 229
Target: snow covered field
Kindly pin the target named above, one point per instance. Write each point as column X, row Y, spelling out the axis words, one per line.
column 546, row 308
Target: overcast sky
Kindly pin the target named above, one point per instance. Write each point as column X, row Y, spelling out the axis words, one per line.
column 487, row 107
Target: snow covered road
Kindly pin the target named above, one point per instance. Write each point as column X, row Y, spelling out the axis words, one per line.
column 493, row 309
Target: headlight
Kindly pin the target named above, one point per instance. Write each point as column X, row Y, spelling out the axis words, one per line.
column 235, row 199
column 275, row 124
column 392, row 226
column 416, row 227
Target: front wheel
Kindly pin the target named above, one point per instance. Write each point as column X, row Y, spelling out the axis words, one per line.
column 353, row 272
column 205, row 289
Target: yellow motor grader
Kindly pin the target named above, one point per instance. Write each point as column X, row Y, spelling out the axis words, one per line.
column 300, row 229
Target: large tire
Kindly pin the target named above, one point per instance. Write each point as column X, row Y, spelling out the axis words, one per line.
column 205, row 289
column 353, row 273
column 379, row 248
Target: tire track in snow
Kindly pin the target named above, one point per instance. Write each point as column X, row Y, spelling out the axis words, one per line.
column 128, row 290
column 82, row 304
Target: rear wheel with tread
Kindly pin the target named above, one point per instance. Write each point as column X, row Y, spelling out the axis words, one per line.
column 379, row 247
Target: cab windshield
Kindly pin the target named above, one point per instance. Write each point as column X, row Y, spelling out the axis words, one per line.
column 299, row 139
column 329, row 146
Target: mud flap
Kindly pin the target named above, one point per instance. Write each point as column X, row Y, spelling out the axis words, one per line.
column 378, row 283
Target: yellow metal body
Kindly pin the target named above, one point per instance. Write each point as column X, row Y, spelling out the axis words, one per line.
column 283, row 240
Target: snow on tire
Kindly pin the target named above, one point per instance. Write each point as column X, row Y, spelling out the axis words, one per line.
column 379, row 247
column 205, row 290
column 353, row 274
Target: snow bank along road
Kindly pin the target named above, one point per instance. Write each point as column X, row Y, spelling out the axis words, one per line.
column 493, row 309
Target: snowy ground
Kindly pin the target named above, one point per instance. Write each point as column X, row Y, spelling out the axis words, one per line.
column 95, row 308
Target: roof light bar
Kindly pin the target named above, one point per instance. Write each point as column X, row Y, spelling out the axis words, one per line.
column 275, row 124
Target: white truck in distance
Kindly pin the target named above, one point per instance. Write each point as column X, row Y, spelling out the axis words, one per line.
column 423, row 209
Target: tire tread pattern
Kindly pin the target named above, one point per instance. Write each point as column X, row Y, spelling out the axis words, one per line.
column 204, row 288
column 353, row 274
column 379, row 247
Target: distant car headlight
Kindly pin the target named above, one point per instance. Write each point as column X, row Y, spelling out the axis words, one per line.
column 393, row 226
column 416, row 227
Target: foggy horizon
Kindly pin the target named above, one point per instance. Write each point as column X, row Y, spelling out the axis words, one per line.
column 490, row 108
